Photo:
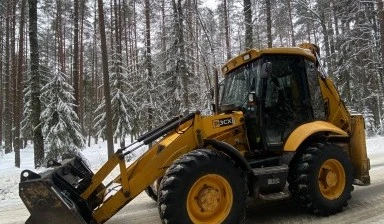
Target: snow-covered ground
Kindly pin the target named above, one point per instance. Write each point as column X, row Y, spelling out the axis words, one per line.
column 96, row 156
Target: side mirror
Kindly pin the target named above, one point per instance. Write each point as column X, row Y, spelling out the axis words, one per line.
column 266, row 69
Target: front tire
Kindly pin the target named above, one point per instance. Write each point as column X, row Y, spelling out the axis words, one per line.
column 152, row 190
column 203, row 186
column 320, row 179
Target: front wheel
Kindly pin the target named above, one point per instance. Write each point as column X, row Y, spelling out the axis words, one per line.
column 320, row 179
column 152, row 190
column 203, row 186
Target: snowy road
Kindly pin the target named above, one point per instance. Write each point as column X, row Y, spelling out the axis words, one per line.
column 366, row 206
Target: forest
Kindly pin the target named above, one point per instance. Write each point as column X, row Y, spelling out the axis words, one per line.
column 75, row 72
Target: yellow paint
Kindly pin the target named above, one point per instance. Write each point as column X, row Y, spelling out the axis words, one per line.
column 100, row 176
column 254, row 54
column 358, row 150
column 209, row 200
column 331, row 179
column 154, row 162
column 337, row 112
column 188, row 136
column 304, row 131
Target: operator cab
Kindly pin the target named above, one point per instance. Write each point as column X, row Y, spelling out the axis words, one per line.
column 277, row 92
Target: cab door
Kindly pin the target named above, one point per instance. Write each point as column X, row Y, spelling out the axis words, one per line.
column 286, row 100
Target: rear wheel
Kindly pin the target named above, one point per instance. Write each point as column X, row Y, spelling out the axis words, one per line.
column 203, row 186
column 320, row 179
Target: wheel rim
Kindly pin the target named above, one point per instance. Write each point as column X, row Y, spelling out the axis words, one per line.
column 210, row 199
column 331, row 179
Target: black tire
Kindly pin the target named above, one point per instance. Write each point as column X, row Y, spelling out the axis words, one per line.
column 312, row 175
column 152, row 190
column 187, row 177
column 151, row 193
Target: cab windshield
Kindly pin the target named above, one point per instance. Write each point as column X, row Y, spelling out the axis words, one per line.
column 239, row 83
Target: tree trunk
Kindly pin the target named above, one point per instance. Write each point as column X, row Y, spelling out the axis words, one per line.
column 35, row 86
column 93, row 89
column 163, row 37
column 19, row 86
column 81, row 67
column 60, row 50
column 292, row 31
column 1, row 83
column 148, row 62
column 248, row 24
column 380, row 20
column 269, row 23
column 13, row 81
column 226, row 27
column 135, row 48
column 323, row 6
column 7, row 101
column 75, row 74
column 183, row 66
column 380, row 13
column 107, row 94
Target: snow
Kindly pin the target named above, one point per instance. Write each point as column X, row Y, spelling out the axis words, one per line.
column 96, row 156
column 211, row 4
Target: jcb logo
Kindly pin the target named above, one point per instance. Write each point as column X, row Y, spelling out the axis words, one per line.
column 223, row 122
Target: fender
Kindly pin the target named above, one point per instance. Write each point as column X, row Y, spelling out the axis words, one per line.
column 300, row 134
column 230, row 151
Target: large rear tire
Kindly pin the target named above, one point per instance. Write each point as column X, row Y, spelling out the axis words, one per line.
column 320, row 179
column 203, row 186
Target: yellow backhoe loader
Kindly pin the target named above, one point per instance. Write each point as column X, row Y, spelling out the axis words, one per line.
column 280, row 125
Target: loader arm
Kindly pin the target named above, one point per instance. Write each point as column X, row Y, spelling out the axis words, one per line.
column 153, row 163
column 70, row 192
column 142, row 172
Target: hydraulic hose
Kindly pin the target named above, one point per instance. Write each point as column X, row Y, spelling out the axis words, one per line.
column 151, row 132
column 165, row 129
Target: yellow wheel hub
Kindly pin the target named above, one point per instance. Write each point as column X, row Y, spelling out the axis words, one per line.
column 331, row 179
column 210, row 199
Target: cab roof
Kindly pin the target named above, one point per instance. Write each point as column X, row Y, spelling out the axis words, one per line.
column 305, row 50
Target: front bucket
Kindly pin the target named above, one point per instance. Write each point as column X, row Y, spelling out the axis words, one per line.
column 54, row 196
column 47, row 205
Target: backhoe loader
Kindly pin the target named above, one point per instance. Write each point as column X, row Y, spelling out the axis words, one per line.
column 281, row 130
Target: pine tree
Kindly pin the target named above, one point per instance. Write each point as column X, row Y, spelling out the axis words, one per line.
column 61, row 125
column 19, row 86
column 107, row 92
column 35, row 86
